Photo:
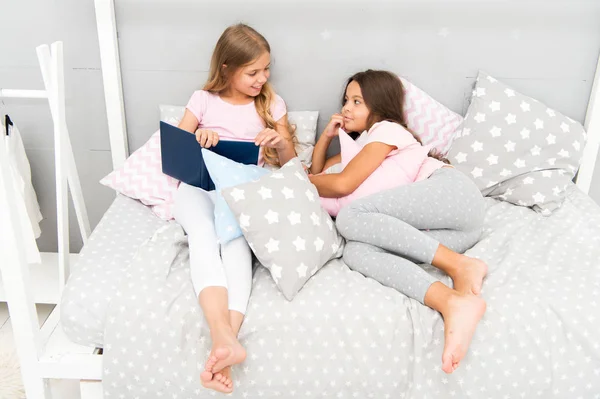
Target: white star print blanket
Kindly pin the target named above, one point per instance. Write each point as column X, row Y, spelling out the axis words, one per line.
column 347, row 336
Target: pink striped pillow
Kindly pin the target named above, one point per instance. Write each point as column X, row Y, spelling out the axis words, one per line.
column 433, row 122
column 141, row 178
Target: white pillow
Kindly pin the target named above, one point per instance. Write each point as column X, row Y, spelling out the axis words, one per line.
column 169, row 113
column 306, row 125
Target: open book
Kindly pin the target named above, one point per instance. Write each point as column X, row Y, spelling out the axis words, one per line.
column 182, row 157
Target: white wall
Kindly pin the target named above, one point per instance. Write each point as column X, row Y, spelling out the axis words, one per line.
column 546, row 49
column 25, row 24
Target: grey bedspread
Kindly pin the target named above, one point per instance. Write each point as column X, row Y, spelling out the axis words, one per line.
column 347, row 336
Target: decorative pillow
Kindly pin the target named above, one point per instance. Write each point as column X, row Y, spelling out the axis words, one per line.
column 141, row 178
column 227, row 173
column 306, row 126
column 288, row 231
column 378, row 181
column 433, row 122
column 517, row 149
column 306, row 133
column 171, row 112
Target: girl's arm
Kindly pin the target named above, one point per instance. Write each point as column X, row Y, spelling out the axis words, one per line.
column 206, row 138
column 339, row 185
column 287, row 150
column 332, row 161
column 319, row 157
column 189, row 122
column 279, row 138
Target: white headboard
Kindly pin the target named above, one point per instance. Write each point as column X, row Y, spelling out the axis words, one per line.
column 592, row 126
column 370, row 15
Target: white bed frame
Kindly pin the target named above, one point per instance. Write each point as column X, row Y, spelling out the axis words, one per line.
column 47, row 353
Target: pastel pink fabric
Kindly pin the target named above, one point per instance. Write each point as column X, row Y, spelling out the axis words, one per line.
column 141, row 178
column 229, row 121
column 434, row 123
column 406, row 164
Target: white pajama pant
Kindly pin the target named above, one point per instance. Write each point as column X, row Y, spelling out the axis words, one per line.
column 212, row 264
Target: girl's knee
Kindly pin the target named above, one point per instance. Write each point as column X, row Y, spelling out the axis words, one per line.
column 238, row 244
column 353, row 252
column 345, row 217
column 477, row 216
column 349, row 255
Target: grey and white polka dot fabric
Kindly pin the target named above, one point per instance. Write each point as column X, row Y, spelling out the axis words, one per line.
column 102, row 263
column 390, row 232
column 347, row 336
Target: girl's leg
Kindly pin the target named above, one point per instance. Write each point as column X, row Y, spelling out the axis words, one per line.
column 194, row 210
column 461, row 311
column 391, row 219
column 237, row 261
column 446, row 200
column 448, row 203
column 388, row 269
column 467, row 273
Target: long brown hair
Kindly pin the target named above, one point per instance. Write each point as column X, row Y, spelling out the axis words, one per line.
column 383, row 93
column 238, row 46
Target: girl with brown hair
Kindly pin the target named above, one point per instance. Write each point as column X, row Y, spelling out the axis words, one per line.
column 433, row 214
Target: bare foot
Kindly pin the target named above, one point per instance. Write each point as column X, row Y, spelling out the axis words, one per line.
column 226, row 352
column 469, row 275
column 225, row 376
column 461, row 317
column 220, row 382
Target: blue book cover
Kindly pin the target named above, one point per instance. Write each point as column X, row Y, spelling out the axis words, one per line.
column 182, row 158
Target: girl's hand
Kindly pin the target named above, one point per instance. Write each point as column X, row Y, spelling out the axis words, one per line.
column 270, row 138
column 333, row 127
column 207, row 138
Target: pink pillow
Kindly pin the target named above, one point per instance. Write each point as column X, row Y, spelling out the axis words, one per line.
column 434, row 123
column 141, row 178
column 378, row 181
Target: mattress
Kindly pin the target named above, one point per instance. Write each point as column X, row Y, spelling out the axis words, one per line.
column 346, row 336
column 102, row 264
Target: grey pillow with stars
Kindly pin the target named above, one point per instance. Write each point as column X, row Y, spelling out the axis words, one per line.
column 517, row 149
column 281, row 217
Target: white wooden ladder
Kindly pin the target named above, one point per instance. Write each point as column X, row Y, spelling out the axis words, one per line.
column 45, row 352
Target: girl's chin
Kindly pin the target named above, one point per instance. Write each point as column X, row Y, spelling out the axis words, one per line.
column 352, row 127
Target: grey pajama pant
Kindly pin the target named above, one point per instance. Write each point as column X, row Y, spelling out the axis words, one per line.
column 388, row 233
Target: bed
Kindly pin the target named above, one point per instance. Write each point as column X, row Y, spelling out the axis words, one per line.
column 345, row 335
column 102, row 263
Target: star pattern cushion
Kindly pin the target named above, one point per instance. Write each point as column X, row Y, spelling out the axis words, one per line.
column 517, row 149
column 227, row 173
column 281, row 217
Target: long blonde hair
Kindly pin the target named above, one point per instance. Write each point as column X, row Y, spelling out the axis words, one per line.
column 240, row 45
